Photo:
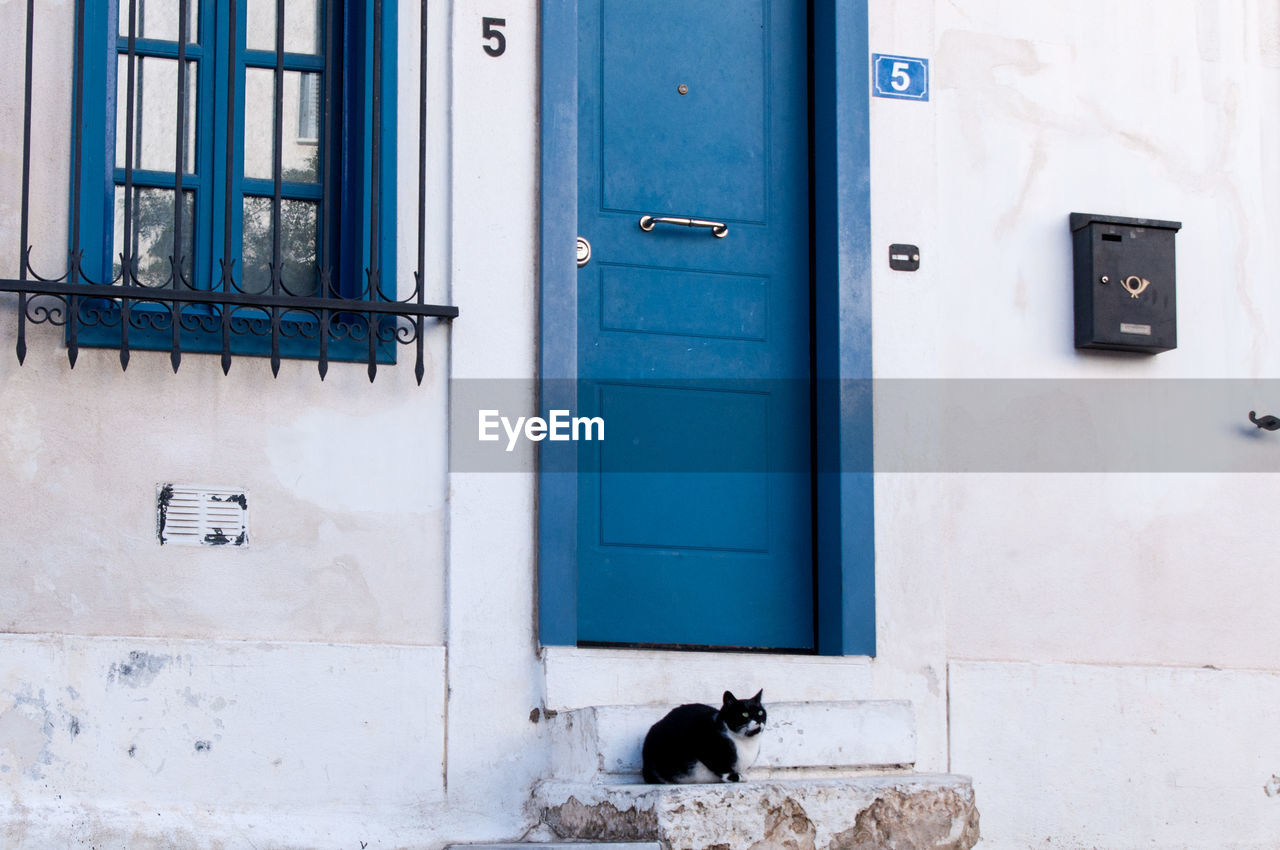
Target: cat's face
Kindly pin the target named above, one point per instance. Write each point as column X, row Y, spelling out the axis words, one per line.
column 743, row 716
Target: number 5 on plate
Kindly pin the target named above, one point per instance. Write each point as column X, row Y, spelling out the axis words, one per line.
column 903, row 77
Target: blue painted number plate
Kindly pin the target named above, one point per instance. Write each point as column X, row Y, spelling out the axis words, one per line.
column 905, row 77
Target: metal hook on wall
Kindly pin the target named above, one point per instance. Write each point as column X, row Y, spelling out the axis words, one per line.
column 1271, row 423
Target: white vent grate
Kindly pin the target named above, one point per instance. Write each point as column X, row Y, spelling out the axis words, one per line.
column 189, row 515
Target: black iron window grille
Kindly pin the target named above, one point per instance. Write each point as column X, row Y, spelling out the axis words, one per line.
column 233, row 185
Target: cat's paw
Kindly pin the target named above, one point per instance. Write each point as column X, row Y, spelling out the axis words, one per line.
column 732, row 776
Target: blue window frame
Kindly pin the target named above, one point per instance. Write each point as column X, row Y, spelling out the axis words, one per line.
column 279, row 139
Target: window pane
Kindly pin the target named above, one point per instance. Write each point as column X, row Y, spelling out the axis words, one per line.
column 151, row 237
column 310, row 107
column 259, row 122
column 260, row 25
column 297, row 246
column 155, row 113
column 303, row 26
column 256, row 251
column 300, row 156
column 159, row 19
column 302, row 109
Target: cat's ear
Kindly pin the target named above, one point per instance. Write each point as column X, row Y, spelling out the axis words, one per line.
column 729, row 698
column 759, row 694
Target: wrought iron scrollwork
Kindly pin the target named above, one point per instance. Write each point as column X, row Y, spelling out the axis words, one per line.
column 71, row 301
column 362, row 319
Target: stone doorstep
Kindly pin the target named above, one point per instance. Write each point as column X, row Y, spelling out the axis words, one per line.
column 603, row 742
column 916, row 812
column 573, row 845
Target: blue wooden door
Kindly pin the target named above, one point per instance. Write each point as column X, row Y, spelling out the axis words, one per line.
column 695, row 520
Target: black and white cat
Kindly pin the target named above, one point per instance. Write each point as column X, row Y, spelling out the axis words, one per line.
column 697, row 743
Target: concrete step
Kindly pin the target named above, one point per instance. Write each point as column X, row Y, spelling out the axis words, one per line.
column 603, row 743
column 552, row 845
column 910, row 812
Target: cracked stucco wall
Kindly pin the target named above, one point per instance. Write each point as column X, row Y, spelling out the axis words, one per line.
column 290, row 693
column 152, row 728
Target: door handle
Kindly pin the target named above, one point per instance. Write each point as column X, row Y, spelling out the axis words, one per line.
column 718, row 228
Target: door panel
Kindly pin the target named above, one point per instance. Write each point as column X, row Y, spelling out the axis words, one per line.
column 695, row 519
column 681, row 487
column 709, row 143
column 683, row 302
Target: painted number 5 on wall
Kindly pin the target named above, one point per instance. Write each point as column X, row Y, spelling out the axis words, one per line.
column 905, row 77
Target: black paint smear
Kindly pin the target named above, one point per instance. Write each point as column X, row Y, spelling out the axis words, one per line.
column 217, row 538
column 166, row 495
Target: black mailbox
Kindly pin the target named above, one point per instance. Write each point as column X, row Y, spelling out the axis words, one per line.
column 1125, row 283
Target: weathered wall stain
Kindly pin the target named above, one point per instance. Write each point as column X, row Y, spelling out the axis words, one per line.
column 26, row 733
column 1268, row 30
column 21, row 441
column 787, row 827
column 139, row 670
column 24, row 743
column 985, row 52
column 905, row 822
column 601, row 822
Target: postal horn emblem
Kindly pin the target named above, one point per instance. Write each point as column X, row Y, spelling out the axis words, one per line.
column 1134, row 285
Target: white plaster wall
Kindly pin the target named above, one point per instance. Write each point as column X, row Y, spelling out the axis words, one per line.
column 1167, row 112
column 1159, row 110
column 345, row 479
column 312, row 661
column 1082, row 756
column 496, row 747
column 911, row 612
column 121, row 740
column 419, row 727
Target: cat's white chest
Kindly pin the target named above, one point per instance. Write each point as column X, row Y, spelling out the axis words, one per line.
column 748, row 750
